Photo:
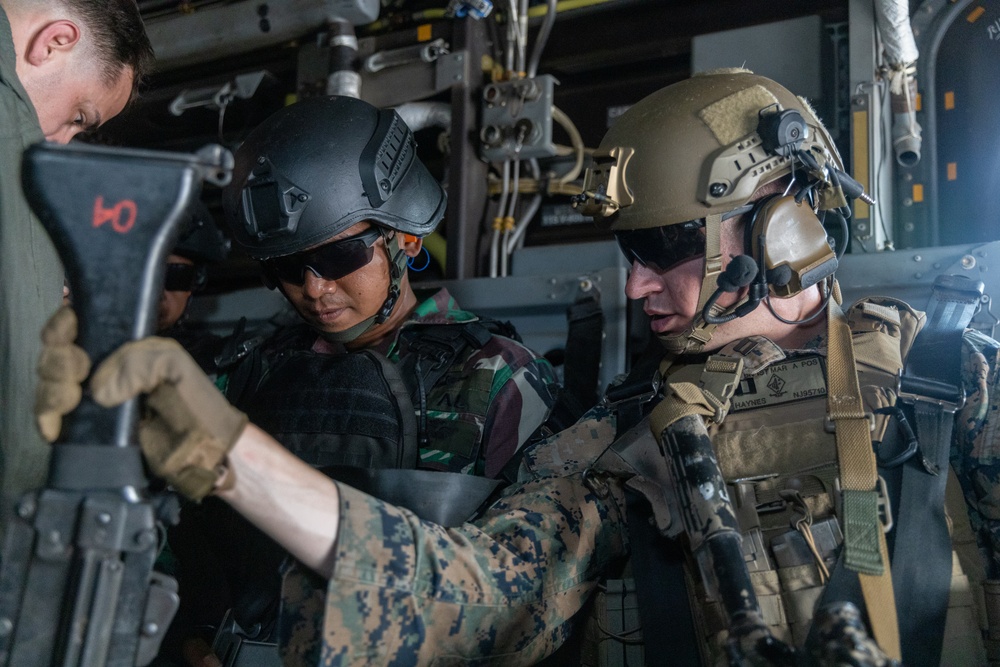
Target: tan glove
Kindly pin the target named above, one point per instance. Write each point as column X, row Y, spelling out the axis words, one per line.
column 189, row 427
column 62, row 366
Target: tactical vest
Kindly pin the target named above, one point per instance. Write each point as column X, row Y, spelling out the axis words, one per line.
column 352, row 416
column 779, row 460
column 329, row 410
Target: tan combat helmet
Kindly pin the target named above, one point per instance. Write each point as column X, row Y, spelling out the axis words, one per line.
column 688, row 156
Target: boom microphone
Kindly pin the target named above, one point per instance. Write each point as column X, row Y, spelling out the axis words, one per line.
column 740, row 272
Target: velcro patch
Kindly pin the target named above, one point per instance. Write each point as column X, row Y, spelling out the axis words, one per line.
column 792, row 380
column 735, row 116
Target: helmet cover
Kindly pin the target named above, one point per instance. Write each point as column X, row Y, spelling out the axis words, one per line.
column 692, row 149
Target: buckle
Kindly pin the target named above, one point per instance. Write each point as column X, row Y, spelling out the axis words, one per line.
column 637, row 392
column 830, row 424
column 913, row 390
column 884, row 504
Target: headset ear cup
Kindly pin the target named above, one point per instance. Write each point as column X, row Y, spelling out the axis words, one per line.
column 756, row 226
column 799, row 255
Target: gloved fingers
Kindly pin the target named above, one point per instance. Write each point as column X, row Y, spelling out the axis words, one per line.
column 139, row 367
column 61, row 328
column 63, row 362
column 52, row 401
column 62, row 366
column 49, row 425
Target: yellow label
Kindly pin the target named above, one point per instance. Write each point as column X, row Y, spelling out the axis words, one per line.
column 918, row 192
column 975, row 14
column 949, row 100
column 952, row 171
column 424, row 32
column 861, row 209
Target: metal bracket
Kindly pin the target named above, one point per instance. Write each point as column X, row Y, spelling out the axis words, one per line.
column 450, row 70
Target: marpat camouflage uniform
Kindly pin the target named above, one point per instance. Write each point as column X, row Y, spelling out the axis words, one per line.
column 502, row 590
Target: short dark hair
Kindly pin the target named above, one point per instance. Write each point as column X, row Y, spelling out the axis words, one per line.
column 120, row 38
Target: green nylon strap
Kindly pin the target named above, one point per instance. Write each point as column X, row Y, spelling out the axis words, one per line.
column 864, row 554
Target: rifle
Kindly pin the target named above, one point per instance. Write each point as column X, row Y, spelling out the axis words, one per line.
column 77, row 586
column 709, row 520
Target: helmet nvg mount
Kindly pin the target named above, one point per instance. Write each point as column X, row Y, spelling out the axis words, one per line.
column 318, row 167
column 699, row 150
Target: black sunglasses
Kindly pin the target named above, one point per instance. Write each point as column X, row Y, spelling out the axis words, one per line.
column 663, row 248
column 180, row 277
column 330, row 261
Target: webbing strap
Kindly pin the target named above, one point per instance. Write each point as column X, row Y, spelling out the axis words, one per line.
column 709, row 398
column 865, row 550
column 713, row 267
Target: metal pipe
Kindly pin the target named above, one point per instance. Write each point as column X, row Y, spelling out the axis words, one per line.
column 893, row 18
column 344, row 78
column 229, row 29
column 421, row 115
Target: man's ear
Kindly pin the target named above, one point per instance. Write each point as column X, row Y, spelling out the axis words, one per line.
column 55, row 38
column 410, row 244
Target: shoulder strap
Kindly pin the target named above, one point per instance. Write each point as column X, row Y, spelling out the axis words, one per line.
column 407, row 421
column 931, row 387
column 245, row 358
column 865, row 551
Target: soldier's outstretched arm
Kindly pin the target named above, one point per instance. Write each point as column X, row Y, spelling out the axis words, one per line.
column 393, row 588
column 289, row 500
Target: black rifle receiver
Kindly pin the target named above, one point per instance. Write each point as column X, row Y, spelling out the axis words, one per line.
column 77, row 586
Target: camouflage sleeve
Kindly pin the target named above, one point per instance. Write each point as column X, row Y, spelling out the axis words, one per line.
column 976, row 450
column 407, row 592
column 523, row 392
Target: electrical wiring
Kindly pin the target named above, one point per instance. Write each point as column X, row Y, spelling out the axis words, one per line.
column 516, row 238
column 542, row 38
column 574, row 136
column 498, row 219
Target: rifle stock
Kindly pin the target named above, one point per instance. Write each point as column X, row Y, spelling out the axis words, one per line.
column 77, row 586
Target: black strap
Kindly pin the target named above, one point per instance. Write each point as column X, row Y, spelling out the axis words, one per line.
column 920, row 549
column 426, row 354
column 446, row 498
column 582, row 365
column 630, row 398
column 921, row 543
column 664, row 605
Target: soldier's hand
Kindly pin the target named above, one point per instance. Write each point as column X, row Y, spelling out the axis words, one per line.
column 62, row 367
column 189, row 426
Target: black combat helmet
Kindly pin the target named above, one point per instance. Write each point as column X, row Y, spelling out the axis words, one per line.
column 319, row 166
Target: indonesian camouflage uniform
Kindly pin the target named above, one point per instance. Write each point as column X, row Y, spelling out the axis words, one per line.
column 505, row 588
column 488, row 403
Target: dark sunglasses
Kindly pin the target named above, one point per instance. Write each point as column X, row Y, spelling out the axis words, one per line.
column 330, row 261
column 180, row 277
column 663, row 248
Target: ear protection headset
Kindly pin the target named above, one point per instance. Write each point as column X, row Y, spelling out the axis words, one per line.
column 785, row 244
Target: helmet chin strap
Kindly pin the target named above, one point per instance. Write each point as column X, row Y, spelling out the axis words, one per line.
column 397, row 267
